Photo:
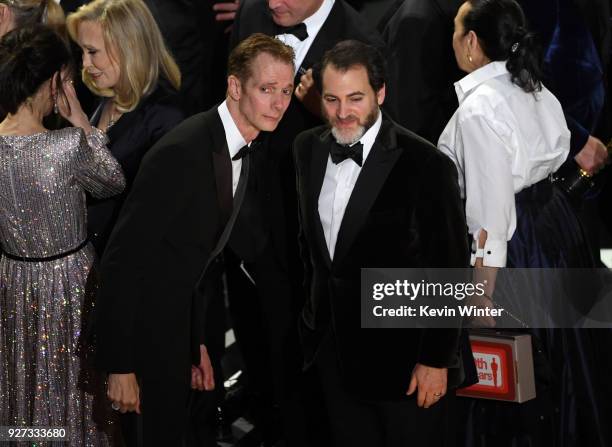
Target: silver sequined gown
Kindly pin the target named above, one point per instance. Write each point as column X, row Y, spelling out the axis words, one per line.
column 43, row 179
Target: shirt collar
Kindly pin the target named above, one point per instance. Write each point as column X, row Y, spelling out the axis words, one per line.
column 235, row 140
column 316, row 21
column 369, row 137
column 467, row 84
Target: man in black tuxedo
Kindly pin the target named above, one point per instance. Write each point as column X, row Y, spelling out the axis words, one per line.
column 373, row 194
column 422, row 66
column 265, row 304
column 172, row 227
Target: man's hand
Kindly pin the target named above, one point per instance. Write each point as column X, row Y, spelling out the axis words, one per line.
column 592, row 156
column 226, row 12
column 308, row 94
column 305, row 85
column 124, row 392
column 202, row 375
column 430, row 383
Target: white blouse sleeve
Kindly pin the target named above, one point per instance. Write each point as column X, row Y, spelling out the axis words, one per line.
column 489, row 187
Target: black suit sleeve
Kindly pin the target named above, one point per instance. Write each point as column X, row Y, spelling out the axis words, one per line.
column 236, row 31
column 443, row 234
column 162, row 118
column 422, row 67
column 160, row 190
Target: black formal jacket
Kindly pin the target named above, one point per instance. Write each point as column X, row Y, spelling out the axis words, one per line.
column 129, row 140
column 189, row 30
column 169, row 225
column 274, row 163
column 422, row 66
column 405, row 211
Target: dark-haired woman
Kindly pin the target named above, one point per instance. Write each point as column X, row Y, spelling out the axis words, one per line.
column 46, row 258
column 508, row 135
column 506, row 138
column 19, row 13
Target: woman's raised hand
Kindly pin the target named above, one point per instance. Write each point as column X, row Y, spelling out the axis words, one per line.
column 68, row 104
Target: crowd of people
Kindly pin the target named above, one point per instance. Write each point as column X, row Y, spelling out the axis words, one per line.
column 155, row 166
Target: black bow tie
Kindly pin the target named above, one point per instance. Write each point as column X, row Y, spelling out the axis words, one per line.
column 339, row 153
column 246, row 150
column 298, row 30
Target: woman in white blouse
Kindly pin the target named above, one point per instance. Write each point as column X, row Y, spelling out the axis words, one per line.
column 506, row 138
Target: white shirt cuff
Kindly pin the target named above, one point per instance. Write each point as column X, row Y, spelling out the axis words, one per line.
column 493, row 254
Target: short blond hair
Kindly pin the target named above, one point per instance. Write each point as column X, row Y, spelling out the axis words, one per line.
column 133, row 39
column 241, row 58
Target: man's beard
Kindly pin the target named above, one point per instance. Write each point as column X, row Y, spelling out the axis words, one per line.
column 350, row 137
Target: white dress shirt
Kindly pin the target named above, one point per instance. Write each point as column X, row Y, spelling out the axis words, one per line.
column 502, row 140
column 338, row 186
column 313, row 25
column 235, row 142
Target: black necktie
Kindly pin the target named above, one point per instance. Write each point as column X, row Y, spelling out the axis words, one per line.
column 246, row 150
column 340, row 152
column 298, row 30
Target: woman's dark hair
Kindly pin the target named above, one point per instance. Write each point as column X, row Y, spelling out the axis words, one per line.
column 29, row 56
column 31, row 12
column 501, row 29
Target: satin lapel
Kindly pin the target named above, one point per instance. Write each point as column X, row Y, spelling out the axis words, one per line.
column 318, row 165
column 376, row 169
column 264, row 24
column 95, row 117
column 223, row 168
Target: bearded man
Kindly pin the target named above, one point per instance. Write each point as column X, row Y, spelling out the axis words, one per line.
column 372, row 194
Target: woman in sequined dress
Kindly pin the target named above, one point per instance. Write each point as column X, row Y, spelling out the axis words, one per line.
column 46, row 258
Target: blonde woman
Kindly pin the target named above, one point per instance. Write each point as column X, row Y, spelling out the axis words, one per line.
column 127, row 64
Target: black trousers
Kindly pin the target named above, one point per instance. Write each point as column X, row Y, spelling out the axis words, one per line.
column 163, row 418
column 265, row 326
column 357, row 423
column 202, row 425
column 172, row 413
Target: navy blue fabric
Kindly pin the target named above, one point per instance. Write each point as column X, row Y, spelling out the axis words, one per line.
column 572, row 64
column 548, row 233
column 571, row 407
column 574, row 73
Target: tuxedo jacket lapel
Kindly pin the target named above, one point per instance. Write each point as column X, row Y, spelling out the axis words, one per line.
column 325, row 39
column 318, row 167
column 267, row 23
column 222, row 166
column 376, row 168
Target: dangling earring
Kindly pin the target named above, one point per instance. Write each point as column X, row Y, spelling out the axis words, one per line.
column 55, row 107
column 470, row 58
